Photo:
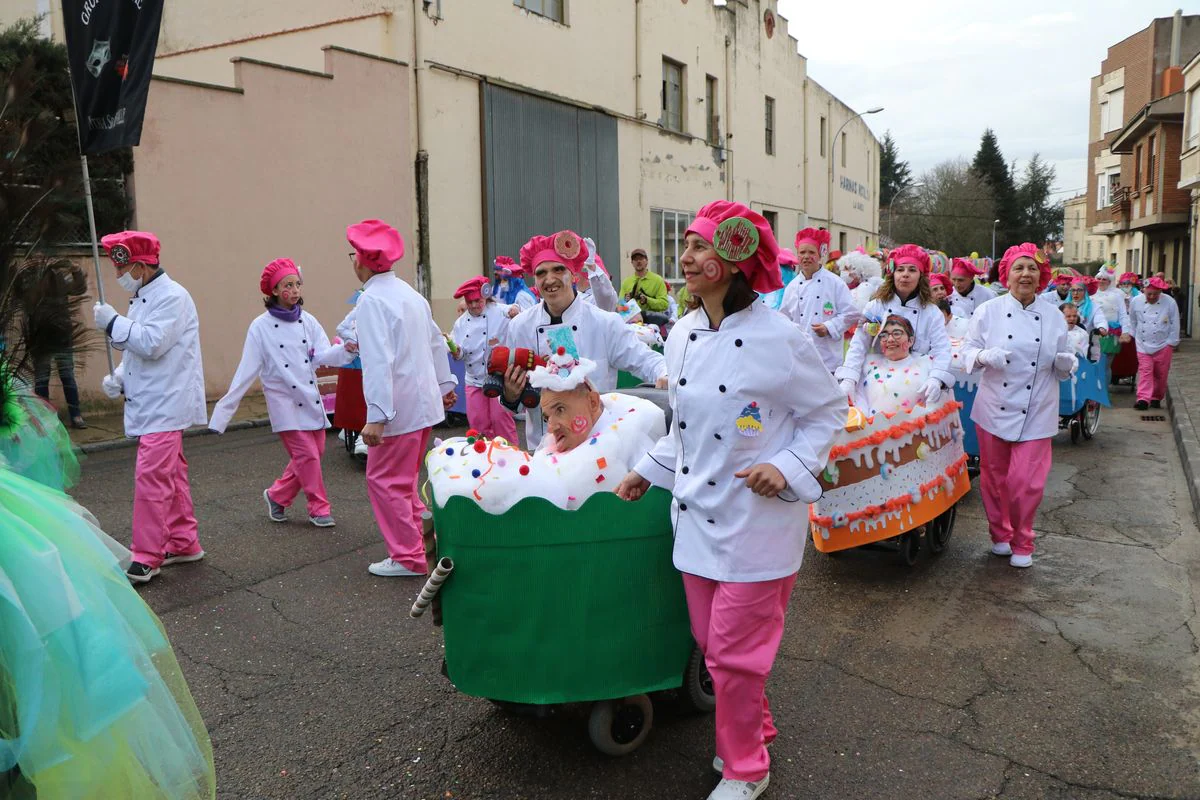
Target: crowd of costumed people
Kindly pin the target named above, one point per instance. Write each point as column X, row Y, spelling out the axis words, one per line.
column 775, row 378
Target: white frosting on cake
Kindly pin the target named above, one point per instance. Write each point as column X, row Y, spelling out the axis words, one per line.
column 500, row 474
column 890, row 386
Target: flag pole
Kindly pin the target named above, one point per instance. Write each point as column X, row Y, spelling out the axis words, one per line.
column 91, row 212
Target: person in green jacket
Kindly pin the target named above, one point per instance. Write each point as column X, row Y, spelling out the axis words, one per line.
column 647, row 288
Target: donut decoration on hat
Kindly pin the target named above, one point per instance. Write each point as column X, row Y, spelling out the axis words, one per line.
column 736, row 239
column 567, row 245
column 119, row 254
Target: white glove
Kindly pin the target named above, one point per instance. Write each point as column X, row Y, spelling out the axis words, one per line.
column 1066, row 362
column 932, row 391
column 112, row 386
column 848, row 387
column 104, row 314
column 993, row 357
column 591, row 257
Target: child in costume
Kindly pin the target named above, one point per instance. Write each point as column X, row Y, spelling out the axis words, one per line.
column 1077, row 337
column 892, row 380
column 284, row 346
column 480, row 328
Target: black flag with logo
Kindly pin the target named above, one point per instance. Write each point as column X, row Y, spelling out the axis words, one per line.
column 110, row 45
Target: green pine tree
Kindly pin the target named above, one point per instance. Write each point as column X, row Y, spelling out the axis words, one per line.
column 989, row 165
column 893, row 173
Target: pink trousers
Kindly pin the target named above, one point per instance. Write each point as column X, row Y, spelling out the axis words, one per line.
column 1152, row 374
column 393, row 471
column 163, row 518
column 303, row 472
column 738, row 626
column 486, row 415
column 1012, row 477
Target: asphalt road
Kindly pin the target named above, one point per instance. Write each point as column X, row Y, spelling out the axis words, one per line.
column 958, row 678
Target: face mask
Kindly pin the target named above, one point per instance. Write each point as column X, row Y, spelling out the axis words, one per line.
column 129, row 283
column 503, row 286
column 1127, row 289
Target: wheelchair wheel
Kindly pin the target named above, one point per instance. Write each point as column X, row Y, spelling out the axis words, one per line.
column 939, row 531
column 1076, row 429
column 697, row 692
column 618, row 727
column 910, row 546
column 1091, row 419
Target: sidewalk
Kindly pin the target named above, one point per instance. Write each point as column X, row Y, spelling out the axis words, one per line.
column 1183, row 405
column 106, row 426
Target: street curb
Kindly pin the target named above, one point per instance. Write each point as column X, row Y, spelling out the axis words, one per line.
column 1186, row 441
column 117, row 444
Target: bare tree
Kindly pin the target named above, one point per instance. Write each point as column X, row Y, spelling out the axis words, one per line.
column 952, row 213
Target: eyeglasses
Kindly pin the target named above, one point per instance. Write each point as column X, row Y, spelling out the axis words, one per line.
column 894, row 335
column 353, row 256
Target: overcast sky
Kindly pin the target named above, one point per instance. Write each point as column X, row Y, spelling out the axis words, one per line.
column 944, row 71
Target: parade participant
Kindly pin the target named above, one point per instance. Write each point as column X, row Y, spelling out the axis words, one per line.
column 476, row 332
column 1129, row 283
column 162, row 378
column 593, row 284
column 1077, row 337
column 284, row 346
column 647, row 288
column 968, row 295
column 1091, row 316
column 748, row 435
column 1019, row 341
column 787, row 270
column 818, row 300
column 956, row 327
column 890, row 382
column 508, row 284
column 905, row 292
column 862, row 275
column 1112, row 303
column 596, row 335
column 1059, row 290
column 407, row 385
column 940, row 287
column 1154, row 323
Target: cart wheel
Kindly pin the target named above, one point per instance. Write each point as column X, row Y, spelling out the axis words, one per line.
column 351, row 438
column 973, row 467
column 910, row 545
column 1075, row 429
column 698, row 691
column 618, row 727
column 1091, row 419
column 938, row 532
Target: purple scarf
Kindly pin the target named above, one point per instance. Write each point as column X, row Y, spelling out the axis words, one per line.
column 279, row 312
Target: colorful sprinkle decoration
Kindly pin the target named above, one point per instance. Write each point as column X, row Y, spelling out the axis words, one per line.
column 524, row 469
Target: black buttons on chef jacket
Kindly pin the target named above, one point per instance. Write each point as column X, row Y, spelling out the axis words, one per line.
column 1010, row 336
column 1030, row 387
column 683, row 426
column 717, row 436
column 683, row 506
column 280, row 347
column 737, row 342
column 1037, row 340
column 685, row 470
column 692, row 337
column 276, row 324
column 543, row 330
column 1033, row 363
column 1008, row 314
column 683, row 381
column 721, row 387
column 574, row 327
column 1006, row 383
column 1022, row 411
column 1001, row 408
column 712, row 483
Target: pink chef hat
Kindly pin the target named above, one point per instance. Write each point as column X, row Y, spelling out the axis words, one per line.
column 964, row 266
column 1086, row 281
column 787, row 257
column 471, row 289
column 943, row 280
column 274, row 272
column 132, row 247
column 564, row 247
column 505, row 265
column 741, row 237
column 1131, row 277
column 1026, row 250
column 910, row 254
column 814, row 236
column 379, row 245
column 1158, row 283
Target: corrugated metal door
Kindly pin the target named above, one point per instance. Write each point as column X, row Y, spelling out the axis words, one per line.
column 548, row 166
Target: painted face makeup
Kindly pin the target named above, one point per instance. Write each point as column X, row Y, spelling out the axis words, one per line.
column 712, row 270
column 579, row 424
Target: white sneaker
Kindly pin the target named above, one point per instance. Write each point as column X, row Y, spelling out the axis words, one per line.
column 718, row 765
column 360, row 449
column 1020, row 561
column 739, row 790
column 1002, row 549
column 392, row 569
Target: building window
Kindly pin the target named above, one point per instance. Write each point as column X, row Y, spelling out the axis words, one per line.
column 1112, row 111
column 713, row 133
column 1137, row 167
column 842, row 241
column 822, row 137
column 770, row 125
column 1088, row 249
column 772, row 218
column 1075, row 250
column 551, row 9
column 1150, row 174
column 1193, row 118
column 667, row 229
column 672, row 96
column 843, row 148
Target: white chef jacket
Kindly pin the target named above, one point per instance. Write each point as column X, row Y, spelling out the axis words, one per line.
column 163, row 373
column 964, row 305
column 1113, row 305
column 822, row 299
column 1020, row 402
column 1094, row 319
column 758, row 366
column 1154, row 325
column 404, row 356
column 928, row 323
column 284, row 356
column 476, row 336
column 600, row 336
column 600, row 292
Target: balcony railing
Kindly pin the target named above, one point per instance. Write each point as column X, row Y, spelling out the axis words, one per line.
column 1120, row 207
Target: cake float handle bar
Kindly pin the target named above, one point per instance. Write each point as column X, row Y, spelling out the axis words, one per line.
column 429, row 537
column 429, row 591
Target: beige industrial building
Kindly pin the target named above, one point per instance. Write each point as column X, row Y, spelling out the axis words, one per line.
column 470, row 126
column 1080, row 245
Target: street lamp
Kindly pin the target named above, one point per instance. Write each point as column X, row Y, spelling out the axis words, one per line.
column 903, row 189
column 994, row 224
column 832, row 147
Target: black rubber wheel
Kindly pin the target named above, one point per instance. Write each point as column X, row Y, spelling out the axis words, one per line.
column 1091, row 419
column 697, row 691
column 1076, row 429
column 910, row 546
column 618, row 727
column 939, row 531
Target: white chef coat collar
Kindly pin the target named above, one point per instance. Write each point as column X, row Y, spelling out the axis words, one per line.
column 381, row 277
column 1008, row 298
column 733, row 320
column 569, row 313
column 916, row 295
column 154, row 286
column 800, row 275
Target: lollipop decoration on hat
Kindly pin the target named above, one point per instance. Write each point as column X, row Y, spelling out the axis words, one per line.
column 736, row 239
column 568, row 245
column 119, row 254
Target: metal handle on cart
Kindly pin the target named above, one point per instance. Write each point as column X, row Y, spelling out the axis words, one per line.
column 429, row 591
